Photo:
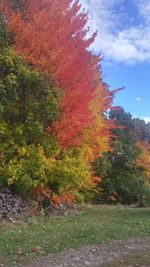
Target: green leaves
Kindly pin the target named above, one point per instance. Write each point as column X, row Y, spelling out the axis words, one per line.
column 5, row 36
column 122, row 176
column 28, row 104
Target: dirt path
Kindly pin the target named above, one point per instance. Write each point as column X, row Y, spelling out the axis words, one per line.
column 93, row 256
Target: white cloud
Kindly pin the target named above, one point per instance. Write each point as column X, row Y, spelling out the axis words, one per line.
column 144, row 9
column 138, row 98
column 119, row 40
column 147, row 119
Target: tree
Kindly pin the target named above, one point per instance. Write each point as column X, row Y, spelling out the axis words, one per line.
column 5, row 36
column 51, row 36
column 28, row 103
column 144, row 158
column 122, row 177
column 142, row 130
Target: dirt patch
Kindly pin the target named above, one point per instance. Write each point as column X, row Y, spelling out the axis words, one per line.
column 93, row 256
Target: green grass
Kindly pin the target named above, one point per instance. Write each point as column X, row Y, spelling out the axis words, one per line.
column 91, row 225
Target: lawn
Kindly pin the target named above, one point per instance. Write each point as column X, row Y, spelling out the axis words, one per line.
column 90, row 225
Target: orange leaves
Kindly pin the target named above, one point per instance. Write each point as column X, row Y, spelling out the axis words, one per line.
column 40, row 193
column 65, row 199
column 51, row 36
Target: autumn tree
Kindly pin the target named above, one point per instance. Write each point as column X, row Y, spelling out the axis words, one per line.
column 29, row 156
column 144, row 158
column 123, row 175
column 142, row 131
column 51, row 37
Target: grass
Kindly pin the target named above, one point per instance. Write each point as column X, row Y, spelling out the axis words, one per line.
column 91, row 225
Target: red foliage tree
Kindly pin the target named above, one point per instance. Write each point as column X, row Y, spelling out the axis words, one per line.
column 51, row 36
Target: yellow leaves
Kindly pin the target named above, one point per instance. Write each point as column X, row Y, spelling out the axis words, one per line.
column 7, row 60
column 144, row 159
column 11, row 80
column 96, row 137
column 22, row 151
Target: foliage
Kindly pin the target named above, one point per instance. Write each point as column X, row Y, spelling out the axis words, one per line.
column 48, row 137
column 5, row 36
column 54, row 41
column 123, row 179
column 28, row 102
column 142, row 130
column 144, row 158
column 29, row 155
column 52, row 36
column 69, row 172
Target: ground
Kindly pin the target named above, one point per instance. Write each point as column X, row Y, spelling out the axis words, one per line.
column 113, row 254
column 91, row 236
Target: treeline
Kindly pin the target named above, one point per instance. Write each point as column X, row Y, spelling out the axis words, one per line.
column 125, row 170
column 57, row 139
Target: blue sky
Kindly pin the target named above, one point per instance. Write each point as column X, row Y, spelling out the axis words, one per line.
column 124, row 41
